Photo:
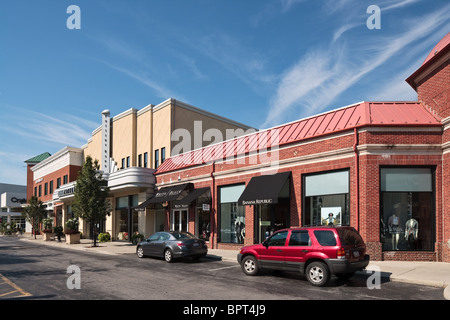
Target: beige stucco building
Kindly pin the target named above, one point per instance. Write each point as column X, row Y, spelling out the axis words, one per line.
column 129, row 147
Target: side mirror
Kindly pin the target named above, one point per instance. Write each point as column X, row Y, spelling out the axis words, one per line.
column 265, row 244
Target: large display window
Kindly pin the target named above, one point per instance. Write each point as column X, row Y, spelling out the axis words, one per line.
column 126, row 218
column 232, row 215
column 326, row 199
column 407, row 211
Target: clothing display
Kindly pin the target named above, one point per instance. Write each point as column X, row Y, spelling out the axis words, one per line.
column 411, row 229
column 394, row 224
column 395, row 230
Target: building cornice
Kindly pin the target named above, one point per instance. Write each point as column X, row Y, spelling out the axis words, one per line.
column 55, row 156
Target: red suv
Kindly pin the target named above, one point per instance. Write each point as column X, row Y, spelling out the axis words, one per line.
column 317, row 252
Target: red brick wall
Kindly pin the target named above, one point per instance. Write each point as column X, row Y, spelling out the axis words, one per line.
column 434, row 90
column 368, row 220
column 445, row 244
column 72, row 173
column 30, row 182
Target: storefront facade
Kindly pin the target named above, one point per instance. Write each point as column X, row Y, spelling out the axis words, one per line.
column 381, row 167
column 356, row 184
column 12, row 200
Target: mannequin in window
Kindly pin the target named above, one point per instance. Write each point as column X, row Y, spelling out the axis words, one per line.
column 411, row 231
column 394, row 226
column 239, row 227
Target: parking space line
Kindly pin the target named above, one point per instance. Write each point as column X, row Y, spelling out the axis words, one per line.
column 224, row 268
column 7, row 293
column 22, row 292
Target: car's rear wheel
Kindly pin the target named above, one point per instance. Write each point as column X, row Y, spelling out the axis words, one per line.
column 168, row 255
column 250, row 266
column 140, row 252
column 318, row 273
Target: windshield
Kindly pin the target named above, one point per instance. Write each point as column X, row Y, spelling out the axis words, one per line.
column 183, row 235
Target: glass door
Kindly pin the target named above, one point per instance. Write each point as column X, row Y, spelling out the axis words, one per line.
column 179, row 220
column 265, row 223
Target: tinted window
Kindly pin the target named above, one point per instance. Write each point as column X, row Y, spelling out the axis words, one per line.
column 183, row 235
column 299, row 238
column 278, row 239
column 325, row 237
column 154, row 237
column 350, row 237
column 164, row 236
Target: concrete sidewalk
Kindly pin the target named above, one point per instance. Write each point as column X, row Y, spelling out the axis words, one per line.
column 435, row 274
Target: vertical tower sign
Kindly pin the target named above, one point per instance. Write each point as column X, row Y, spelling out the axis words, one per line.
column 106, row 134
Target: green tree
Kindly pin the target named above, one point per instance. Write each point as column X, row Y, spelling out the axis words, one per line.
column 34, row 213
column 91, row 192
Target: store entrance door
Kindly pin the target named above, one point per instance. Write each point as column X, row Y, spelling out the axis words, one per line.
column 270, row 218
column 179, row 220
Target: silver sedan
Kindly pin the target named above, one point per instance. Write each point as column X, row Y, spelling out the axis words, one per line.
column 171, row 245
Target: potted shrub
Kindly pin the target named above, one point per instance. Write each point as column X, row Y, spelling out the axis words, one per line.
column 104, row 237
column 72, row 234
column 47, row 231
column 137, row 237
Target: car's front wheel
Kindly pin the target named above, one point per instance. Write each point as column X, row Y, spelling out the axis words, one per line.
column 318, row 273
column 250, row 266
column 168, row 255
column 140, row 252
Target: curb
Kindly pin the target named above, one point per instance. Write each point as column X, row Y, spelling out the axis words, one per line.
column 431, row 283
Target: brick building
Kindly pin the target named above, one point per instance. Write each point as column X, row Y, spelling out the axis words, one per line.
column 382, row 167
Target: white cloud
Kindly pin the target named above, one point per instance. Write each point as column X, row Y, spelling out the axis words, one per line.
column 139, row 66
column 235, row 57
column 160, row 90
column 339, row 32
column 58, row 128
column 319, row 77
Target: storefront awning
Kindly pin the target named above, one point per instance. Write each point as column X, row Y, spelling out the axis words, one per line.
column 264, row 189
column 165, row 194
column 191, row 196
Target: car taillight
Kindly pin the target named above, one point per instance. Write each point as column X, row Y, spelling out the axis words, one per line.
column 181, row 245
column 341, row 253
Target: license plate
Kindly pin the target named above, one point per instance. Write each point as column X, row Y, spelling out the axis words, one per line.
column 195, row 244
column 356, row 254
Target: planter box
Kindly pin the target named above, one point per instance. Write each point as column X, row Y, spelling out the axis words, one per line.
column 73, row 238
column 48, row 236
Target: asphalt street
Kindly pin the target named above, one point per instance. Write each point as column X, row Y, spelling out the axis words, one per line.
column 32, row 272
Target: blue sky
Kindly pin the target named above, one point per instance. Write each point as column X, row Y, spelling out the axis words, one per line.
column 259, row 62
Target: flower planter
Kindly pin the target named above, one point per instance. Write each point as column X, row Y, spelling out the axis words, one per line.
column 73, row 238
column 48, row 236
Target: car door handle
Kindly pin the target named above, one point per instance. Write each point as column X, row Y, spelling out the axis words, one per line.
column 304, row 250
column 279, row 250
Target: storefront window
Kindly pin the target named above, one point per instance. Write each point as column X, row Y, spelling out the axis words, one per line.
column 326, row 199
column 204, row 218
column 232, row 216
column 407, row 213
column 127, row 219
column 160, row 218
